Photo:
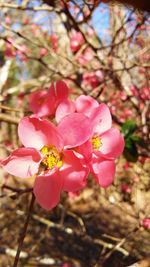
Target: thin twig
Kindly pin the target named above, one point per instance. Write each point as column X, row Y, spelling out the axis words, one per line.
column 24, row 231
column 8, row 118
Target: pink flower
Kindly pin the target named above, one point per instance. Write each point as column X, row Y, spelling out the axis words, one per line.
column 54, row 42
column 126, row 166
column 64, row 108
column 146, row 223
column 35, row 29
column 10, row 51
column 145, row 93
column 126, row 188
column 90, row 32
column 76, row 41
column 134, row 90
column 93, row 79
column 39, row 104
column 44, row 103
column 45, row 154
column 23, row 52
column 86, row 56
column 43, row 52
column 105, row 143
column 8, row 20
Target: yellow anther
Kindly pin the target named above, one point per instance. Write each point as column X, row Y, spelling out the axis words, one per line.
column 44, row 150
column 52, row 157
column 96, row 142
column 59, row 164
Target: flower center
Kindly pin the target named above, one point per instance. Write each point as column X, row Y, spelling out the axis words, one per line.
column 96, row 142
column 52, row 157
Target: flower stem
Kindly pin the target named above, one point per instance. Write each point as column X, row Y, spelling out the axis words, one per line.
column 24, row 231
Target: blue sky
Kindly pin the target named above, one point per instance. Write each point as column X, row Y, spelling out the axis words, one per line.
column 100, row 20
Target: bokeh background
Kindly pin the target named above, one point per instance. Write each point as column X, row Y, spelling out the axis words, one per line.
column 99, row 50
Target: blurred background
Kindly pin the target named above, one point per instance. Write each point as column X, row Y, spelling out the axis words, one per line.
column 101, row 50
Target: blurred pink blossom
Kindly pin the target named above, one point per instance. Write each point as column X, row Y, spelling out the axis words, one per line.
column 44, row 103
column 43, row 52
column 126, row 188
column 86, row 56
column 146, row 223
column 54, row 42
column 93, row 79
column 76, row 41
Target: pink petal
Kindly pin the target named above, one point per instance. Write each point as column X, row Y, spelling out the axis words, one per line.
column 86, row 104
column 39, row 104
column 103, row 171
column 64, row 108
column 23, row 162
column 36, row 132
column 59, row 90
column 101, row 118
column 47, row 189
column 73, row 172
column 112, row 143
column 76, row 129
column 86, row 150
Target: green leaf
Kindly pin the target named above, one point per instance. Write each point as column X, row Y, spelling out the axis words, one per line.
column 139, row 141
column 128, row 128
column 130, row 151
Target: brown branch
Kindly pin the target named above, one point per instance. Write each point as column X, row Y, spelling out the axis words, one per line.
column 9, row 119
column 23, row 8
column 24, row 231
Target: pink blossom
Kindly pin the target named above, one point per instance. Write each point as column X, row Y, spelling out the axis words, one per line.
column 45, row 154
column 105, row 144
column 76, row 10
column 76, row 41
column 64, row 108
column 142, row 160
column 83, row 104
column 23, row 52
column 35, row 29
column 8, row 20
column 134, row 90
column 54, row 42
column 93, row 79
column 126, row 188
column 25, row 20
column 123, row 96
column 44, row 103
column 126, row 115
column 86, row 56
column 39, row 104
column 43, row 52
column 145, row 93
column 126, row 166
column 90, row 32
column 136, row 178
column 146, row 223
column 10, row 51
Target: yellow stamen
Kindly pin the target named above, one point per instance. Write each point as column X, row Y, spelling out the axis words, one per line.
column 96, row 142
column 44, row 150
column 52, row 157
